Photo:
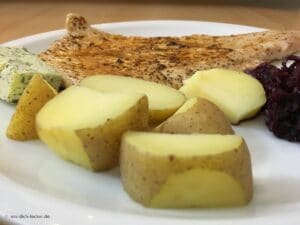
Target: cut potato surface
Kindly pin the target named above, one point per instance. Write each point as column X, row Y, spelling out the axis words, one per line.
column 209, row 189
column 22, row 124
column 197, row 115
column 85, row 126
column 189, row 104
column 237, row 94
column 96, row 107
column 186, row 170
column 158, row 144
column 163, row 100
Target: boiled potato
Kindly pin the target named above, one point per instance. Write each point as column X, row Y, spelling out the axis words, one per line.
column 34, row 97
column 85, row 126
column 237, row 94
column 186, row 170
column 197, row 115
column 163, row 100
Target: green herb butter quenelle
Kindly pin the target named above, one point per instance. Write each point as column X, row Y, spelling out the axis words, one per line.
column 17, row 66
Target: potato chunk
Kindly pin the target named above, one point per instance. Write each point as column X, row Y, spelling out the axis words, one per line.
column 196, row 115
column 163, row 100
column 186, row 170
column 85, row 126
column 34, row 97
column 237, row 94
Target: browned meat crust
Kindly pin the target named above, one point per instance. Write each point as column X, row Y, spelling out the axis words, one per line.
column 85, row 51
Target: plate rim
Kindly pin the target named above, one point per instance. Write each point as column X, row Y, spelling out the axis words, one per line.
column 33, row 37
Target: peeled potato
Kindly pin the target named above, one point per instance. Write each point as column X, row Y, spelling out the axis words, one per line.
column 237, row 94
column 34, row 97
column 85, row 126
column 186, row 170
column 197, row 115
column 163, row 100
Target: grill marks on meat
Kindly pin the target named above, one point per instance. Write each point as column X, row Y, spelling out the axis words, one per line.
column 85, row 51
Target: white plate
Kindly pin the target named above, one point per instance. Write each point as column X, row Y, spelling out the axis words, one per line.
column 34, row 181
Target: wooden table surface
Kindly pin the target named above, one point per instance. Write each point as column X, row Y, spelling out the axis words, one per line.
column 21, row 18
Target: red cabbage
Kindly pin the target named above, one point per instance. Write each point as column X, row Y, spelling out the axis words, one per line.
column 282, row 86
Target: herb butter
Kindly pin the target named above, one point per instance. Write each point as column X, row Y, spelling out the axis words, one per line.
column 17, row 66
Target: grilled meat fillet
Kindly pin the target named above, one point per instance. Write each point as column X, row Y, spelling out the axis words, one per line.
column 85, row 51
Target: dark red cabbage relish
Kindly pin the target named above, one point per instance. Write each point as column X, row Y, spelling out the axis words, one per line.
column 282, row 86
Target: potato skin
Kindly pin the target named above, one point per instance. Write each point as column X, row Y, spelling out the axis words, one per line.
column 102, row 143
column 22, row 125
column 203, row 117
column 143, row 174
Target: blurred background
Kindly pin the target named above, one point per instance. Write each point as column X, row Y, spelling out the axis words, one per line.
column 21, row 18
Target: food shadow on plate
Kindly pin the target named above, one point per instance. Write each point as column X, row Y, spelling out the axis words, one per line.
column 79, row 185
